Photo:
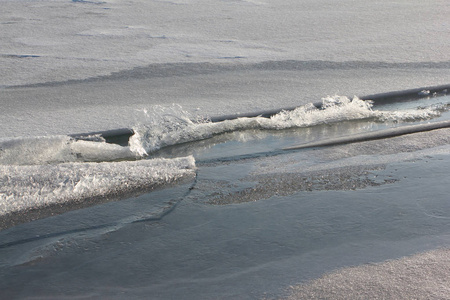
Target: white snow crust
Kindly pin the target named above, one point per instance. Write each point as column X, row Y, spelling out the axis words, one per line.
column 60, row 40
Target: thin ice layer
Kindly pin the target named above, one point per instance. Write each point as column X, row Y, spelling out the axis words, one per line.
column 421, row 276
column 58, row 149
column 164, row 127
column 171, row 126
column 30, row 187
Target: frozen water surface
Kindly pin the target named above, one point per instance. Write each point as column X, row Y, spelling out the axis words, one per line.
column 194, row 209
column 61, row 40
column 247, row 228
column 255, row 221
column 213, row 58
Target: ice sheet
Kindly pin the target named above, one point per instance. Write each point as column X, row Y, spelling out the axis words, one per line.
column 164, row 127
column 71, row 66
column 62, row 40
column 212, row 58
column 419, row 276
column 36, row 187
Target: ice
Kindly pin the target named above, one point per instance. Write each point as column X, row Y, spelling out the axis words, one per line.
column 82, row 39
column 168, row 126
column 58, row 149
column 38, row 172
column 39, row 186
column 74, row 66
column 419, row 276
column 212, row 90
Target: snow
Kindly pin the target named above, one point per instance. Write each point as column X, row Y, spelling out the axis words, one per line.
column 82, row 39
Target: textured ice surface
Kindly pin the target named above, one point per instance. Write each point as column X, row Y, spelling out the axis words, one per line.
column 164, row 127
column 407, row 147
column 243, row 250
column 84, row 66
column 96, row 62
column 58, row 149
column 421, row 276
column 27, row 187
column 60, row 40
column 338, row 168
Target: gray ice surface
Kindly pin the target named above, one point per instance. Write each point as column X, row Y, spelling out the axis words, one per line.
column 256, row 224
column 240, row 233
column 80, row 66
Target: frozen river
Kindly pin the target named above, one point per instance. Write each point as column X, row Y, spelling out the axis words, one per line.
column 193, row 209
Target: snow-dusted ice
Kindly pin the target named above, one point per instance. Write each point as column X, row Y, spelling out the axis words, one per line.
column 194, row 208
column 111, row 59
column 47, row 41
